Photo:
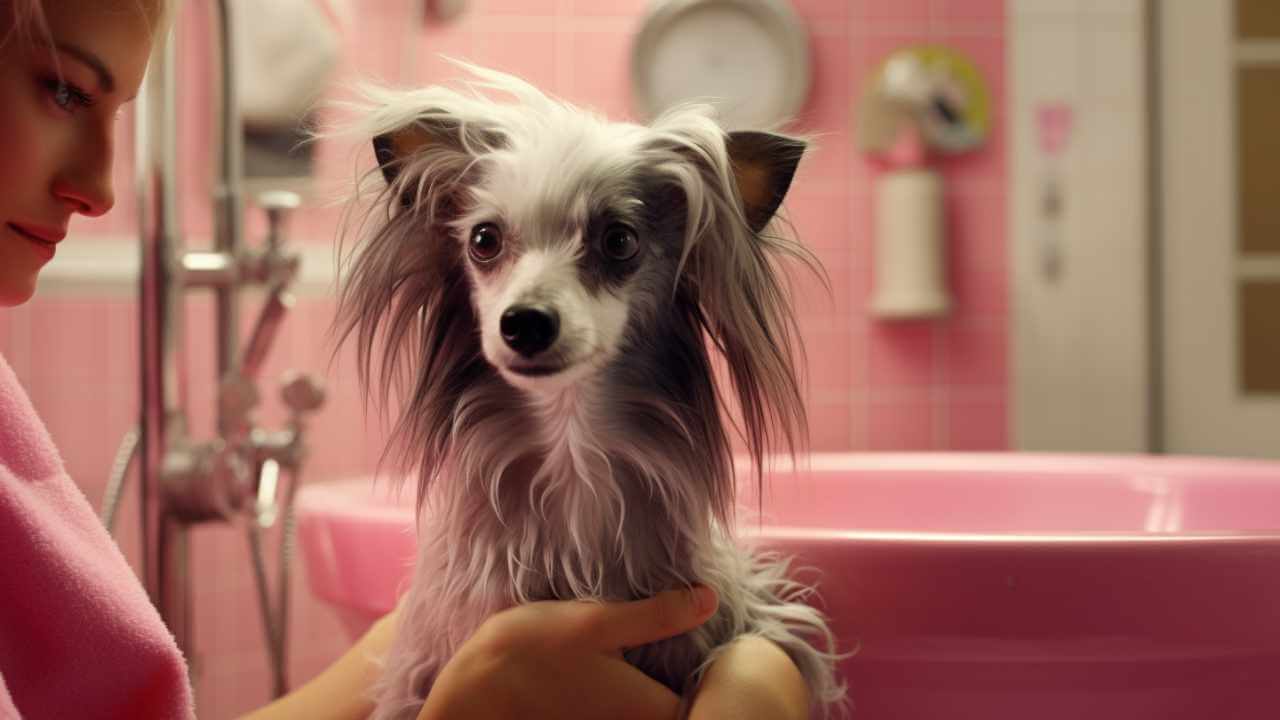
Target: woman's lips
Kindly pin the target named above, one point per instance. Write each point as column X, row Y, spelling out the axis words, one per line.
column 45, row 242
column 43, row 234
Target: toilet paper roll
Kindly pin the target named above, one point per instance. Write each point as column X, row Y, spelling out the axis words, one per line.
column 909, row 262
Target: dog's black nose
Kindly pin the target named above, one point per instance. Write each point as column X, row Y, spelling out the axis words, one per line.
column 529, row 330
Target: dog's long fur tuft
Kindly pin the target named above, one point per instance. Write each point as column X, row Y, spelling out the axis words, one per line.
column 618, row 485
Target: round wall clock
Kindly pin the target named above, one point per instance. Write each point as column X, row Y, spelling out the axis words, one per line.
column 750, row 58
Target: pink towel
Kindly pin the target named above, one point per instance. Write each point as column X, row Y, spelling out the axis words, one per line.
column 78, row 636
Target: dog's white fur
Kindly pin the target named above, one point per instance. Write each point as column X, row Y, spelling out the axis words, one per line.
column 613, row 478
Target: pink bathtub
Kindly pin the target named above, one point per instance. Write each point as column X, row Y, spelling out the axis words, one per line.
column 983, row 586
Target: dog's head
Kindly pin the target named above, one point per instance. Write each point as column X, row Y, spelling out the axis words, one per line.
column 578, row 244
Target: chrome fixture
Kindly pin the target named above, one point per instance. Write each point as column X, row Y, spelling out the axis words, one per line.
column 246, row 474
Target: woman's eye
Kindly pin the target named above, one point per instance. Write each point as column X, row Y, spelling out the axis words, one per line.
column 620, row 242
column 65, row 95
column 486, row 242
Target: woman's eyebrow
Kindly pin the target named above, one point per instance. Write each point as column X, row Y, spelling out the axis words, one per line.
column 105, row 79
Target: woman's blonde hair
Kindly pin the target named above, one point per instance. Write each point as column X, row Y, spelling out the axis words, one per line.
column 21, row 16
column 25, row 18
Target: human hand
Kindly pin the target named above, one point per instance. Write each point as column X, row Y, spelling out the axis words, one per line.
column 561, row 659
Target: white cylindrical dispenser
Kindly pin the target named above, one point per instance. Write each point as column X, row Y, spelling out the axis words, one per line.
column 910, row 268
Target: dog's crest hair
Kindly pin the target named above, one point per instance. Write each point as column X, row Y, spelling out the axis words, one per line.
column 622, row 487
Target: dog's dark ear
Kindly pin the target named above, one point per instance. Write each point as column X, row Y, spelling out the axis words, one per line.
column 395, row 148
column 763, row 165
column 392, row 148
column 733, row 274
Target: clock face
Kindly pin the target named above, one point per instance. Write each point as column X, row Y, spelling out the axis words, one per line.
column 748, row 58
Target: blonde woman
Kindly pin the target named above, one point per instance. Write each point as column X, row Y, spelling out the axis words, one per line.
column 78, row 637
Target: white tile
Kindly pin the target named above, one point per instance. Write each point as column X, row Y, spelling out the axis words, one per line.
column 1045, row 62
column 1121, row 11
column 1041, row 9
column 1114, row 62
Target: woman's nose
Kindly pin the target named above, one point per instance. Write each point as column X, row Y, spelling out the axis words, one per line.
column 85, row 182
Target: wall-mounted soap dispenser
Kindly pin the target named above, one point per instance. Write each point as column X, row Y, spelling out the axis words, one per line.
column 921, row 100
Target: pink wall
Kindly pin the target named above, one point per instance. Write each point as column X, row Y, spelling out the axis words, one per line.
column 874, row 385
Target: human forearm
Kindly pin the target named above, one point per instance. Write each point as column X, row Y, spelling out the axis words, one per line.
column 753, row 680
column 341, row 691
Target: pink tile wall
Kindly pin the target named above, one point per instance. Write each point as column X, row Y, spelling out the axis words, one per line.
column 873, row 385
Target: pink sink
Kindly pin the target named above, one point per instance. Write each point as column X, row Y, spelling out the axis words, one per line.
column 984, row 586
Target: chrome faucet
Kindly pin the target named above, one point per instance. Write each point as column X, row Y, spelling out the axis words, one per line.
column 246, row 474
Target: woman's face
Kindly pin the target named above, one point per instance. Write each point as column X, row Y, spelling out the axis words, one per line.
column 56, row 132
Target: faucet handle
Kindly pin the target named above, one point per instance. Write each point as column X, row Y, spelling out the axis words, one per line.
column 278, row 200
column 277, row 203
column 302, row 392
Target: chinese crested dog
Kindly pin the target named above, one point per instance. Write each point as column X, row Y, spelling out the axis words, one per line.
column 546, row 296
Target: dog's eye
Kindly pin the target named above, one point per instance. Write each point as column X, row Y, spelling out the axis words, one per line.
column 620, row 242
column 486, row 242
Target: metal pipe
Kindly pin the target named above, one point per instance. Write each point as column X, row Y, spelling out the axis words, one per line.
column 228, row 198
column 209, row 269
column 264, row 332
column 180, row 483
column 162, row 382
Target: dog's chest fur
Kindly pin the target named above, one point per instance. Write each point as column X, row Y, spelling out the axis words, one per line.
column 568, row 519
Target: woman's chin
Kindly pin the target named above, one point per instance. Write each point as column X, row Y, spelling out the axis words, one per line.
column 16, row 289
